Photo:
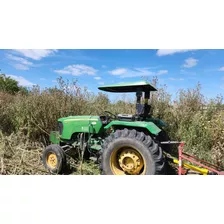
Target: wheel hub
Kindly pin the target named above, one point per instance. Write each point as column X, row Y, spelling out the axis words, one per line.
column 130, row 161
column 52, row 160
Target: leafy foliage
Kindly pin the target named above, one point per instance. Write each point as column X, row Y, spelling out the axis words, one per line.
column 10, row 85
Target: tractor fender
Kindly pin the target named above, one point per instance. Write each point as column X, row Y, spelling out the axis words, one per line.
column 160, row 123
column 150, row 126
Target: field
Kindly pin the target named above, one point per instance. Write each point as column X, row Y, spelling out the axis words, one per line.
column 26, row 119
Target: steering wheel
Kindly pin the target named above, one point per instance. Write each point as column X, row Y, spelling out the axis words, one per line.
column 107, row 117
column 113, row 116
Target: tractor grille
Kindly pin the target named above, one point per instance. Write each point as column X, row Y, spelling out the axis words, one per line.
column 60, row 127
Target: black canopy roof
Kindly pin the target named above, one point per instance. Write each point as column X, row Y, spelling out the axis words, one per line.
column 142, row 86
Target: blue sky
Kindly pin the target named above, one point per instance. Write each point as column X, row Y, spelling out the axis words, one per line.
column 182, row 68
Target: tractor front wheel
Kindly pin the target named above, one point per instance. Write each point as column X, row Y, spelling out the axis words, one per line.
column 129, row 152
column 54, row 159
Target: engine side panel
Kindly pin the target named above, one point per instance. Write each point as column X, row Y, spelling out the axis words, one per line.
column 78, row 124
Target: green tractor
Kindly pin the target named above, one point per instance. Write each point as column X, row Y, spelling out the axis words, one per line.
column 123, row 144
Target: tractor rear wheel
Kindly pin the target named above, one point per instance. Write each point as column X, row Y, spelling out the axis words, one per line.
column 129, row 152
column 54, row 159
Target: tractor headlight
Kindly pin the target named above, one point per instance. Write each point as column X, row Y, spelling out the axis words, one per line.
column 60, row 127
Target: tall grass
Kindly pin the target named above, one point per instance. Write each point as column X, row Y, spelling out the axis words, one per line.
column 34, row 115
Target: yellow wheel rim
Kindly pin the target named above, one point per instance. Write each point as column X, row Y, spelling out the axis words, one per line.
column 127, row 161
column 52, row 160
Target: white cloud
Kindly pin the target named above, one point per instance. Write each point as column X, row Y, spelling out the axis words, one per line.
column 118, row 71
column 76, row 70
column 136, row 72
column 144, row 71
column 21, row 67
column 35, row 54
column 183, row 72
column 162, row 72
column 221, row 69
column 128, row 73
column 190, row 62
column 21, row 63
column 19, row 59
column 176, row 79
column 163, row 52
column 97, row 78
column 101, row 83
column 21, row 80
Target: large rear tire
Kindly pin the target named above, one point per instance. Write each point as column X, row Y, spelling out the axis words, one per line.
column 129, row 152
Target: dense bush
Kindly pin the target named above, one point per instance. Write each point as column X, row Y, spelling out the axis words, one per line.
column 9, row 85
column 35, row 114
column 195, row 120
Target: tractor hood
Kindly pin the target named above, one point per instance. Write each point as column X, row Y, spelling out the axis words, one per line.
column 77, row 124
column 78, row 118
column 141, row 86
